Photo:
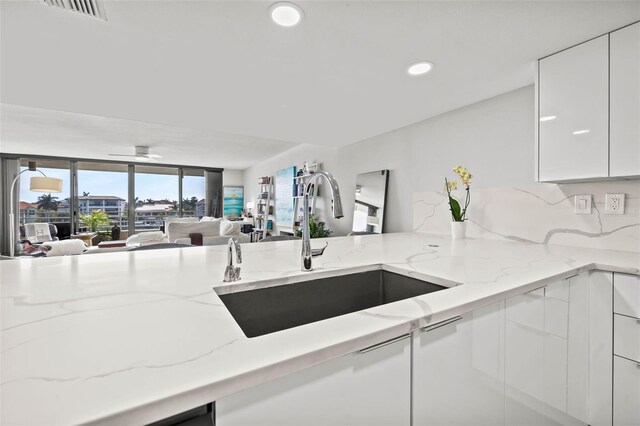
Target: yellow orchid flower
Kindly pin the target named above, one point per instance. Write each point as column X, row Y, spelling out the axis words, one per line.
column 452, row 185
column 458, row 207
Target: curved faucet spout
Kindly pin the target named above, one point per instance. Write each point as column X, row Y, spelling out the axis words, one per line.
column 307, row 254
column 335, row 191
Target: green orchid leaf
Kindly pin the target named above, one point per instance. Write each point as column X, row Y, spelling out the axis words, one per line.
column 456, row 211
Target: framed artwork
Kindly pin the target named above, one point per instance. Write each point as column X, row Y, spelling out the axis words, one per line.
column 285, row 211
column 233, row 200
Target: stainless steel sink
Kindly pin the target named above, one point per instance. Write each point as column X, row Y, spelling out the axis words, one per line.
column 267, row 310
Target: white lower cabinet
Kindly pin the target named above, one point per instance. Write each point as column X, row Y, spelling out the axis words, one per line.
column 626, row 332
column 458, row 370
column 369, row 388
column 626, row 295
column 626, row 350
column 547, row 355
column 626, row 392
column 600, row 349
column 565, row 354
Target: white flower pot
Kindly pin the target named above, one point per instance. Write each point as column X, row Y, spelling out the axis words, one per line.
column 458, row 230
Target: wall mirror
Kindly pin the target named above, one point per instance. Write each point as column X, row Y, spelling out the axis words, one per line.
column 371, row 194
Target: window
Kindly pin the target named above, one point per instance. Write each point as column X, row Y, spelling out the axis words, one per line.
column 193, row 199
column 50, row 208
column 104, row 187
column 161, row 192
column 156, row 198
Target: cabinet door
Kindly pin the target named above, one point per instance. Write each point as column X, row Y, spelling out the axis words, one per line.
column 547, row 355
column 625, row 101
column 601, row 348
column 626, row 295
column 626, row 392
column 371, row 388
column 458, row 371
column 574, row 88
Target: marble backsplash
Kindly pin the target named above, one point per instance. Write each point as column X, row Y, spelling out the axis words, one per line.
column 539, row 213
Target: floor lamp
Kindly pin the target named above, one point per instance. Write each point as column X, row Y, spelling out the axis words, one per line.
column 42, row 184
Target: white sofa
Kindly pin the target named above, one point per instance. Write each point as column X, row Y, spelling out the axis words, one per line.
column 213, row 231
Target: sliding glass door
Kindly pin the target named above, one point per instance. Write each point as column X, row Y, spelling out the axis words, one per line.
column 135, row 197
column 157, row 195
column 193, row 195
column 103, row 188
column 36, row 207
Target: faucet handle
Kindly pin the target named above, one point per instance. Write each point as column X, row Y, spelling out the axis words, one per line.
column 319, row 252
column 231, row 274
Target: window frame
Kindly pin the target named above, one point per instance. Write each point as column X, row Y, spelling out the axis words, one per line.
column 131, row 171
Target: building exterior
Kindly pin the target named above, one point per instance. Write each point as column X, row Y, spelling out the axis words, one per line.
column 114, row 206
column 151, row 216
column 200, row 208
column 28, row 212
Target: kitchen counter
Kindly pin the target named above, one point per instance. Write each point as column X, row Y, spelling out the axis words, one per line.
column 134, row 337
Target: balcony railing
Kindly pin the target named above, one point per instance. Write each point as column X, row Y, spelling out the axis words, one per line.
column 142, row 222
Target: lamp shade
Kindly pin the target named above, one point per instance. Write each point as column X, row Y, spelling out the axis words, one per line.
column 45, row 184
column 251, row 205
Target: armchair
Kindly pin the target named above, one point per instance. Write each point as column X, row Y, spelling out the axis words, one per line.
column 39, row 232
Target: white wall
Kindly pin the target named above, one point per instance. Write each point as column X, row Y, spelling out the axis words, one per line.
column 232, row 177
column 493, row 139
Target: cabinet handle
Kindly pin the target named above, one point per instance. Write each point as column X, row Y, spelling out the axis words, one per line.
column 440, row 324
column 383, row 344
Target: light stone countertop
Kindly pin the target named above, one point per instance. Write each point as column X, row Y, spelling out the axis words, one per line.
column 134, row 337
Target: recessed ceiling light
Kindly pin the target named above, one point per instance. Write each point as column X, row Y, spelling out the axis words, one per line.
column 548, row 118
column 581, row 132
column 420, row 68
column 286, row 14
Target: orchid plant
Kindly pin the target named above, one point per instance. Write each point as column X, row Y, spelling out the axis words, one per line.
column 458, row 212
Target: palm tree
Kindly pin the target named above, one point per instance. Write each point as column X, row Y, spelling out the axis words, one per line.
column 189, row 204
column 47, row 202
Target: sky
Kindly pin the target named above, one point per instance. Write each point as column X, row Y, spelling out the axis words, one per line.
column 156, row 187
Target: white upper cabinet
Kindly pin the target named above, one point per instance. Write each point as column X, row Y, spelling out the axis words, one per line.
column 625, row 101
column 573, row 101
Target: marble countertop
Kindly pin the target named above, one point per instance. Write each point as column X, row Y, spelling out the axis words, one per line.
column 134, row 337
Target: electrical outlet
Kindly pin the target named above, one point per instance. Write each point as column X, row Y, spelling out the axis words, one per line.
column 614, row 204
column 582, row 204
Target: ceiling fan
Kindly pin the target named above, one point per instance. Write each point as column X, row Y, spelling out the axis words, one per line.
column 141, row 154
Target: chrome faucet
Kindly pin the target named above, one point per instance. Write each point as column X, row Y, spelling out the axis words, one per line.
column 307, row 253
column 231, row 273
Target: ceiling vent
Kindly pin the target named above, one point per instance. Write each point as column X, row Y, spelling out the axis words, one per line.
column 93, row 8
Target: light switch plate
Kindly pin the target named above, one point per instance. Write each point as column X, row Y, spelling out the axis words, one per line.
column 614, row 204
column 582, row 204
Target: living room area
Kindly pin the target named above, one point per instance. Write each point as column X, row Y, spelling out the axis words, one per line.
column 100, row 206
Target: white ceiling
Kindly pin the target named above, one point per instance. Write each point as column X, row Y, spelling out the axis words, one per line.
column 27, row 130
column 337, row 78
